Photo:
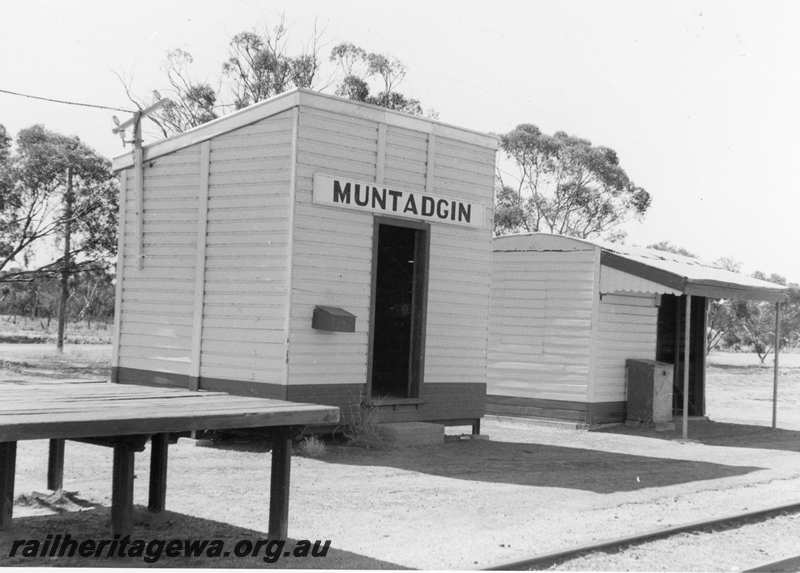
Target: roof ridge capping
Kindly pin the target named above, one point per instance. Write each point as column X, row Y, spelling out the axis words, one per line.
column 310, row 98
column 528, row 242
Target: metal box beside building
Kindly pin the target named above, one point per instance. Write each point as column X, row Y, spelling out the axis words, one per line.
column 649, row 392
column 333, row 318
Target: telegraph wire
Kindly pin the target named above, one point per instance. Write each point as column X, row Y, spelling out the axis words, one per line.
column 67, row 102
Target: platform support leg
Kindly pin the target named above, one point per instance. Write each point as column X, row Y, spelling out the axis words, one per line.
column 55, row 465
column 279, row 484
column 8, row 463
column 476, row 427
column 122, row 490
column 159, row 447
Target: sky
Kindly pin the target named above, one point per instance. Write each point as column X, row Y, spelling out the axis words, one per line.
column 699, row 99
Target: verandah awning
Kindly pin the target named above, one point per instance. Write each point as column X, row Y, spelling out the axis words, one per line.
column 648, row 270
column 651, row 271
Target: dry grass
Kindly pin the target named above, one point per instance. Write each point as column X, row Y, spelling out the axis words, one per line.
column 22, row 330
column 311, row 446
column 43, row 360
column 361, row 427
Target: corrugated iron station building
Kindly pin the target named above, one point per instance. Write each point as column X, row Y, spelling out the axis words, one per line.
column 566, row 314
column 311, row 249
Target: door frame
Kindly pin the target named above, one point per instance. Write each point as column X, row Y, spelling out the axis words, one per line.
column 419, row 312
column 697, row 342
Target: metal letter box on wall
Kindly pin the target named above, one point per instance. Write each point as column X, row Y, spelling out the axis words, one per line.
column 649, row 386
column 333, row 318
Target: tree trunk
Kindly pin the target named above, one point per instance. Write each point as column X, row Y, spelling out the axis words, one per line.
column 62, row 303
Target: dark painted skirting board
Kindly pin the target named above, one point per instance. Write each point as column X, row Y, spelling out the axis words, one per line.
column 440, row 402
column 238, row 387
column 347, row 397
column 606, row 412
column 149, row 378
column 586, row 412
column 241, row 388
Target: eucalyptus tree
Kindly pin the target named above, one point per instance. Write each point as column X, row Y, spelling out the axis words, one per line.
column 566, row 186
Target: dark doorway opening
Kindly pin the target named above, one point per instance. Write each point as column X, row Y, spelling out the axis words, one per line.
column 669, row 348
column 398, row 298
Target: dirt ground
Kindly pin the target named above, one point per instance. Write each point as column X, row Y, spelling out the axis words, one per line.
column 739, row 401
column 42, row 362
column 739, row 389
column 745, row 547
column 463, row 504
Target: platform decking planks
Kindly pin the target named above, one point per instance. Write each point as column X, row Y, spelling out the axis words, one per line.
column 95, row 409
column 123, row 416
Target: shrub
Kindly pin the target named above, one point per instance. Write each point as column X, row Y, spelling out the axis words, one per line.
column 311, row 446
column 361, row 426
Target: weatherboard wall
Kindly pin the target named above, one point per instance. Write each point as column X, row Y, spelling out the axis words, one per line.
column 247, row 267
column 209, row 298
column 627, row 329
column 332, row 263
column 540, row 327
column 157, row 299
column 331, row 254
column 460, row 263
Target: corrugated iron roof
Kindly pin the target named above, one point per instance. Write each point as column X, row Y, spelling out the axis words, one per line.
column 614, row 281
column 675, row 272
column 688, row 275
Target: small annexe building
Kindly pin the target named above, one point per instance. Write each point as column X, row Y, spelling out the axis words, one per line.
column 566, row 314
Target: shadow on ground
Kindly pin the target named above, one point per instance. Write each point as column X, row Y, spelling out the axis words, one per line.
column 722, row 434
column 94, row 524
column 749, row 368
column 538, row 465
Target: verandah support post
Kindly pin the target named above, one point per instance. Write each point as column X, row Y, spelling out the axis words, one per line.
column 686, row 355
column 159, row 448
column 55, row 465
column 8, row 464
column 122, row 490
column 775, row 372
column 704, row 354
column 676, row 368
column 279, row 483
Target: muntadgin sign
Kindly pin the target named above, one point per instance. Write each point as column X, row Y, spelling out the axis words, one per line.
column 341, row 192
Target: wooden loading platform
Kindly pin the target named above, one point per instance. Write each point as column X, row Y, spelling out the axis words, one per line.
column 124, row 417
